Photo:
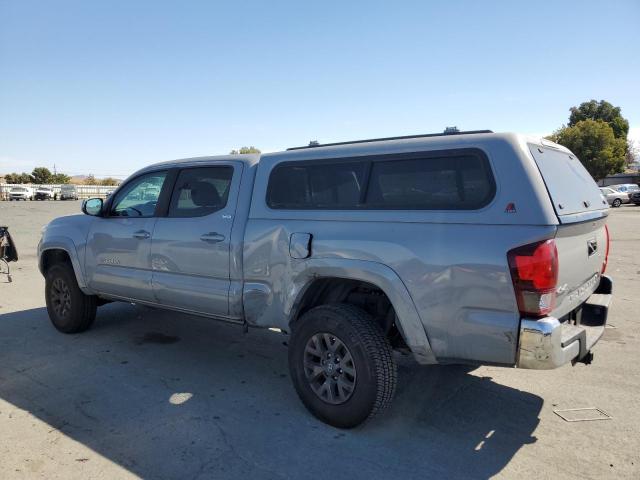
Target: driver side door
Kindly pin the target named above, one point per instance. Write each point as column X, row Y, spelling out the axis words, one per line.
column 119, row 242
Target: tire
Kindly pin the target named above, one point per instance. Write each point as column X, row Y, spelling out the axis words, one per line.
column 70, row 310
column 334, row 330
column 616, row 203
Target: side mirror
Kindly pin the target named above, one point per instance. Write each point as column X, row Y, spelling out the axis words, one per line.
column 92, row 206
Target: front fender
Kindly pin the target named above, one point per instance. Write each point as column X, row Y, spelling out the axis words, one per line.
column 263, row 303
column 59, row 242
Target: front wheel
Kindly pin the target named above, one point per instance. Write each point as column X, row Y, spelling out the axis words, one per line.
column 616, row 203
column 70, row 310
column 341, row 364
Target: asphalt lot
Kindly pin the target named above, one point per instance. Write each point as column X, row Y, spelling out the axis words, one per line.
column 153, row 394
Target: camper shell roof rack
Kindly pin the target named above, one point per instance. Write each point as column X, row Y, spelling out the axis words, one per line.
column 447, row 132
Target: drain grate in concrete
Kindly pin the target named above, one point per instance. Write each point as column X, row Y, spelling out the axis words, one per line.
column 582, row 414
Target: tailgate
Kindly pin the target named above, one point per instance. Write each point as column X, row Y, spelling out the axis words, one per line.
column 573, row 192
column 582, row 249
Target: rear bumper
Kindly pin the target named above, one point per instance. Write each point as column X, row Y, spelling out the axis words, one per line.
column 548, row 343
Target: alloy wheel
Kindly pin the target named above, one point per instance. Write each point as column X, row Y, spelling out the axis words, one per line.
column 329, row 368
column 60, row 297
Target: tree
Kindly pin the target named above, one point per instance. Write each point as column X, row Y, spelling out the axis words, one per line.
column 25, row 178
column 602, row 110
column 596, row 145
column 41, row 175
column 109, row 182
column 18, row 178
column 90, row 180
column 60, row 178
column 244, row 150
column 12, row 178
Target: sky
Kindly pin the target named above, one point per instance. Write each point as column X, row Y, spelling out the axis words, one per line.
column 109, row 87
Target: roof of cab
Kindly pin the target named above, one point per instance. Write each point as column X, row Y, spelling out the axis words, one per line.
column 248, row 159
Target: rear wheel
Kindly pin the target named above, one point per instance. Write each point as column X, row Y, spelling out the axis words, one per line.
column 341, row 364
column 616, row 203
column 70, row 310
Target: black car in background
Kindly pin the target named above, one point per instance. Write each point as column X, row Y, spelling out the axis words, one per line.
column 44, row 193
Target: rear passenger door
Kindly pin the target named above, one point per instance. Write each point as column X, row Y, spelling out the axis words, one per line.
column 190, row 251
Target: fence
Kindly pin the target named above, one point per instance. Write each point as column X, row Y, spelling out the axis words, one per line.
column 619, row 179
column 84, row 191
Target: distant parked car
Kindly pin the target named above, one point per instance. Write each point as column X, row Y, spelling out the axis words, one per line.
column 626, row 187
column 635, row 197
column 109, row 192
column 21, row 193
column 44, row 193
column 614, row 197
column 68, row 192
column 151, row 192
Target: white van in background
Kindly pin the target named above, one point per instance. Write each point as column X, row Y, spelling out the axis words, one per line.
column 21, row 193
column 68, row 192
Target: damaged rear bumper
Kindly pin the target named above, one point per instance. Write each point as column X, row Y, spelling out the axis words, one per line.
column 548, row 343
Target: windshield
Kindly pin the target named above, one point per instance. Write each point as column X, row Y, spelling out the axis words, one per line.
column 18, row 189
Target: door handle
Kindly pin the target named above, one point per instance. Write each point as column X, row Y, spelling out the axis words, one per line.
column 141, row 234
column 212, row 237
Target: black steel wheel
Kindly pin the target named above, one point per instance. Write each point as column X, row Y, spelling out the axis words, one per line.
column 70, row 310
column 341, row 364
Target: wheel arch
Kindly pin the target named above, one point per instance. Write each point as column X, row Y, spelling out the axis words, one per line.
column 61, row 250
column 329, row 280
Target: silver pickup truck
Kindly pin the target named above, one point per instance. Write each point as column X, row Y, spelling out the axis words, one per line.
column 471, row 247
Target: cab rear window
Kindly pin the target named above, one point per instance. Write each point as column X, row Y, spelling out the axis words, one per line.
column 445, row 180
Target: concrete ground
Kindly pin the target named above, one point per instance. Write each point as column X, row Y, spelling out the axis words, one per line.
column 152, row 394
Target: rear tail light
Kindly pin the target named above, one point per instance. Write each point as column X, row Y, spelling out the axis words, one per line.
column 606, row 251
column 534, row 271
